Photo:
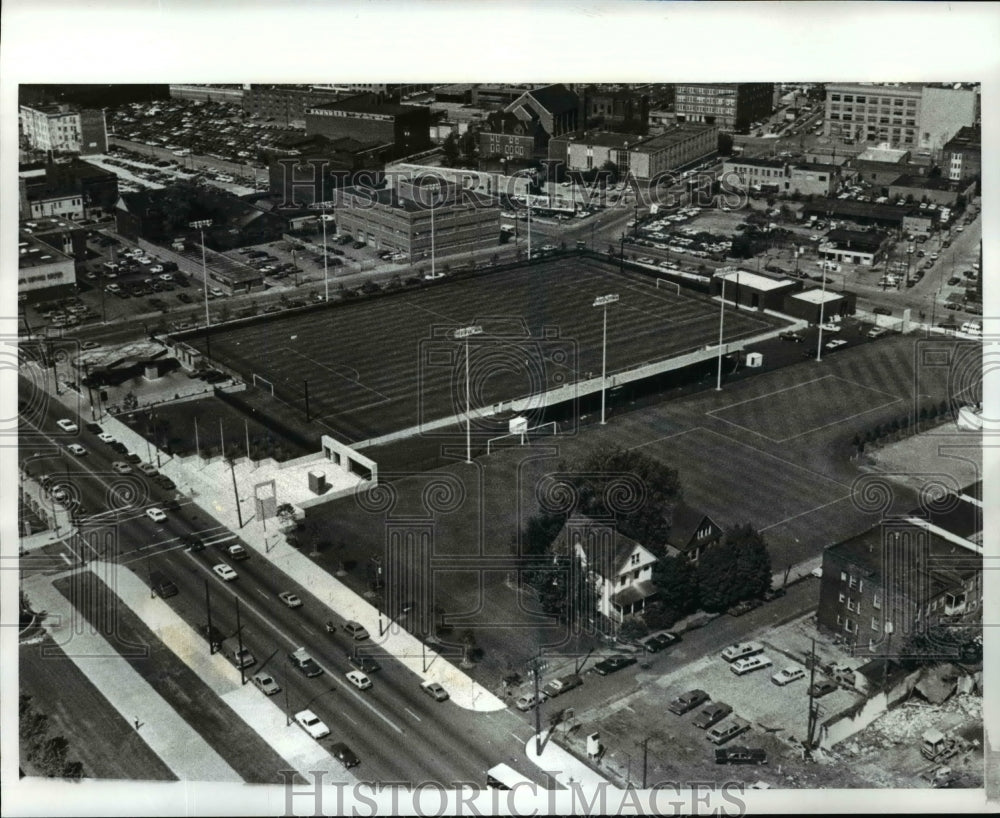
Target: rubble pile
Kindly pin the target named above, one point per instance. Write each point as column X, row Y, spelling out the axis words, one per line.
column 906, row 724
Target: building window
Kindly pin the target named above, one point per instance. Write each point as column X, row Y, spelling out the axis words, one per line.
column 840, row 620
column 843, row 576
column 852, row 582
column 874, row 624
column 876, row 602
column 861, row 585
column 841, row 598
column 850, row 626
column 635, row 559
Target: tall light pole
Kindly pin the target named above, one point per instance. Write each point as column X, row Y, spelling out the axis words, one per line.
column 432, row 241
column 722, row 319
column 822, row 304
column 200, row 226
column 326, row 269
column 603, row 301
column 460, row 334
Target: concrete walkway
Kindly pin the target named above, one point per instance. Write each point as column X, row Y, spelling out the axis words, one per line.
column 564, row 767
column 178, row 744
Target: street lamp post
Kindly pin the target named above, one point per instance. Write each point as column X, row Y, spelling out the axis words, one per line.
column 200, row 226
column 460, row 334
column 822, row 304
column 603, row 301
column 326, row 268
column 722, row 319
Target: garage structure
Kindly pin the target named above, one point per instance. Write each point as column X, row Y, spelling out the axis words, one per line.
column 753, row 290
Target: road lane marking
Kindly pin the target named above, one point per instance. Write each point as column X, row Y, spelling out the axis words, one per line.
column 352, row 721
column 68, row 560
column 407, row 709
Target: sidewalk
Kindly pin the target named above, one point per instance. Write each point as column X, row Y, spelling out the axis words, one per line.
column 178, row 744
column 564, row 767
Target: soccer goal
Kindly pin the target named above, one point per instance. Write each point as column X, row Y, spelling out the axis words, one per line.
column 668, row 281
column 524, row 435
column 258, row 381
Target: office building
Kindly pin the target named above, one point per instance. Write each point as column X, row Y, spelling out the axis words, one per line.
column 732, row 107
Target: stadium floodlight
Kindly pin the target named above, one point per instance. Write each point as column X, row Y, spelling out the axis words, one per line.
column 603, row 301
column 326, row 266
column 464, row 333
column 200, row 226
column 722, row 320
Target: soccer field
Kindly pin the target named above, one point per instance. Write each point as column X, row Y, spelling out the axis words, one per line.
column 389, row 363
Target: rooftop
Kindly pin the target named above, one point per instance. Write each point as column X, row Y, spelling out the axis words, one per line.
column 605, row 139
column 818, row 296
column 365, row 104
column 881, row 154
column 757, row 162
column 35, row 253
column 675, row 134
column 856, row 239
column 924, row 183
column 742, row 278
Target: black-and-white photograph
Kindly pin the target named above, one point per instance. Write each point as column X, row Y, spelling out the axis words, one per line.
column 564, row 444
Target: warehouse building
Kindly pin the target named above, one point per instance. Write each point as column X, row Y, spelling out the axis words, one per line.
column 864, row 247
column 755, row 291
column 366, row 119
column 819, row 305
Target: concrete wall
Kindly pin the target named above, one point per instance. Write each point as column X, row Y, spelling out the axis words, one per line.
column 844, row 725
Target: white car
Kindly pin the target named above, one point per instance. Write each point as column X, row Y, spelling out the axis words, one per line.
column 106, row 437
column 311, row 723
column 830, row 327
column 290, row 599
column 265, row 683
column 836, row 343
column 359, row 679
column 67, row 425
column 225, row 571
column 788, row 675
column 156, row 515
column 215, row 292
column 76, row 448
column 749, row 664
column 741, row 650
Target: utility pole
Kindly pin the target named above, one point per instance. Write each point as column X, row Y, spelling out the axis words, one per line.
column 208, row 616
column 645, row 759
column 236, row 494
column 305, row 391
column 811, row 724
column 538, row 707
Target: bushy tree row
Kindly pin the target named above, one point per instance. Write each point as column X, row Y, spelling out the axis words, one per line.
column 45, row 752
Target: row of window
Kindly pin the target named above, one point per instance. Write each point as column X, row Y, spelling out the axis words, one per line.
column 897, row 102
column 33, row 279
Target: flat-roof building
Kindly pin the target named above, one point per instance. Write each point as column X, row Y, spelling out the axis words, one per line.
column 367, row 119
column 814, row 305
column 962, row 154
column 41, row 267
column 865, row 247
column 753, row 290
column 731, row 107
column 676, row 147
column 63, row 129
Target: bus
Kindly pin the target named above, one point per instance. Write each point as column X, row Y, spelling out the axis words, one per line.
column 503, row 777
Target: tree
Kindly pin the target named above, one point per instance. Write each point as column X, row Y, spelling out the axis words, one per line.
column 738, row 568
column 51, row 756
column 450, row 150
column 725, row 144
column 676, row 581
column 470, row 650
column 633, row 627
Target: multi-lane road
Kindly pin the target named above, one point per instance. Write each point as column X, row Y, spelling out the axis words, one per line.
column 399, row 732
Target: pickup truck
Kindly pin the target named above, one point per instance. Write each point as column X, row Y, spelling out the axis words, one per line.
column 559, row 686
column 303, row 662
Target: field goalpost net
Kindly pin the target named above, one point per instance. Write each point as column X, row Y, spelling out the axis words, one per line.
column 525, row 436
column 258, row 380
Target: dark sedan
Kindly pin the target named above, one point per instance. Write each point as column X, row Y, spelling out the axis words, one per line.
column 345, row 755
column 613, row 664
column 688, row 701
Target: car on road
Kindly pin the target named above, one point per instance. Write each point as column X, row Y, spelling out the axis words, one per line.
column 355, row 630
column 358, row 679
column 290, row 599
column 613, row 664
column 90, row 344
column 344, row 755
column 749, row 664
column 740, row 755
column 76, row 448
column 822, row 688
column 687, row 702
column 364, row 663
column 715, row 712
column 156, row 515
column 311, row 723
column 836, row 343
column 744, row 607
column 67, row 425
column 559, row 686
column 243, row 657
column 193, row 542
column 225, row 571
column 787, row 675
column 237, row 552
column 882, row 311
column 741, row 650
column 661, row 641
column 304, row 662
column 772, row 594
column 148, row 469
column 120, row 467
column 265, row 683
column 529, row 701
column 878, row 332
column 106, row 437
column 788, row 335
column 164, row 482
column 435, row 691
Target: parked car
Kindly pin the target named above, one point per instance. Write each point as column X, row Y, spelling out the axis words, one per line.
column 243, row 657
column 788, row 335
column 435, row 691
column 76, row 448
column 743, row 607
column 528, row 701
column 772, row 594
column 788, row 675
column 740, row 755
column 148, row 469
column 120, row 467
column 156, row 515
column 364, row 663
column 237, row 552
column 311, row 723
column 715, row 712
column 882, row 311
column 741, row 650
column 749, row 664
column 688, row 701
column 661, row 641
column 822, row 688
column 729, row 729
column 877, row 332
column 613, row 664
column 265, row 683
column 355, row 630
column 559, row 686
